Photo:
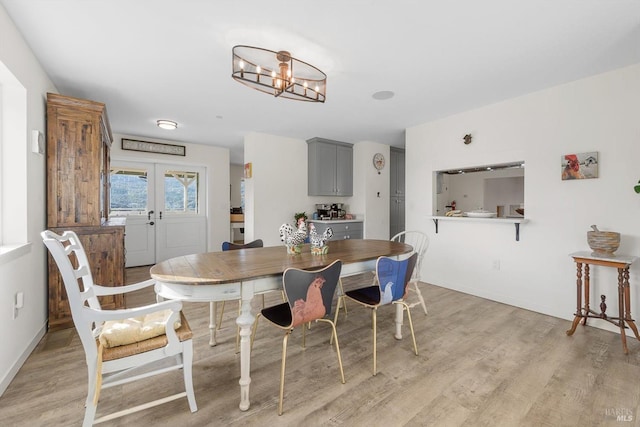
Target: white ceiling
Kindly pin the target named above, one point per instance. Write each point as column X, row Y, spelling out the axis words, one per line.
column 170, row 59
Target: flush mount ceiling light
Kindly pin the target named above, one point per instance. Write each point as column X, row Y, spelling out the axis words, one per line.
column 167, row 124
column 383, row 95
column 278, row 74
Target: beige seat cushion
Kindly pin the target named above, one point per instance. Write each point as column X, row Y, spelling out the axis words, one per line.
column 184, row 333
column 128, row 331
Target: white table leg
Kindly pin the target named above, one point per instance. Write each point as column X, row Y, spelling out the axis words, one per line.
column 212, row 323
column 399, row 320
column 245, row 321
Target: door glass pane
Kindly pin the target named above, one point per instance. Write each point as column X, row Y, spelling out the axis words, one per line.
column 129, row 191
column 181, row 191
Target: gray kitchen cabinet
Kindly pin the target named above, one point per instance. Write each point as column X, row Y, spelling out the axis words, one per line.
column 341, row 229
column 330, row 168
column 396, row 169
column 397, row 191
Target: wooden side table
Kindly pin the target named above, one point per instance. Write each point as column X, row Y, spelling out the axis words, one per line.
column 622, row 264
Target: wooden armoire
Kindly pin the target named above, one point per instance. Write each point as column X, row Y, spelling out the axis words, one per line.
column 78, row 156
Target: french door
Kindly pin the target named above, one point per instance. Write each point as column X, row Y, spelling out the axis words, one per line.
column 165, row 209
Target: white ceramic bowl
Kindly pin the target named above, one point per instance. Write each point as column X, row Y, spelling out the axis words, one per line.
column 480, row 214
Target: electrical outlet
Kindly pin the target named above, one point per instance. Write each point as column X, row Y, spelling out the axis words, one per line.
column 496, row 264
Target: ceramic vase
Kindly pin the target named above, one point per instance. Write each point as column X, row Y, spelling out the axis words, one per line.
column 320, row 250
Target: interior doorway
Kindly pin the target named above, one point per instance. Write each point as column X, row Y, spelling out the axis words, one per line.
column 165, row 209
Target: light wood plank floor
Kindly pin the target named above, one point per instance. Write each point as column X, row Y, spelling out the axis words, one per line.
column 481, row 363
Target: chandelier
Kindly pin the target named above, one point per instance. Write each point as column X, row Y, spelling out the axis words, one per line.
column 278, row 73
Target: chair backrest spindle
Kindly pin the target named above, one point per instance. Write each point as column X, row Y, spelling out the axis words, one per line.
column 67, row 250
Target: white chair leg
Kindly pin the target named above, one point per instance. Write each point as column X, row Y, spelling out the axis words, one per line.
column 90, row 407
column 420, row 298
column 91, row 386
column 187, row 360
column 89, row 414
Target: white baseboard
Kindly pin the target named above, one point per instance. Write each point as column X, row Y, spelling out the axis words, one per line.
column 23, row 358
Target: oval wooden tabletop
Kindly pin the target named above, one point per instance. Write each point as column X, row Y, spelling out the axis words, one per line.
column 246, row 264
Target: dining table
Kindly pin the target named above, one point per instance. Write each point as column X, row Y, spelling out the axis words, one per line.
column 241, row 274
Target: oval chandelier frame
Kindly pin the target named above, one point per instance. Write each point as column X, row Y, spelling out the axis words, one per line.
column 278, row 73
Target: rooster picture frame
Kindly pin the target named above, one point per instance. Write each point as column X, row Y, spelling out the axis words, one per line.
column 579, row 165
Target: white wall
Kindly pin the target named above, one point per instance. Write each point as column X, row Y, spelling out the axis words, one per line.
column 236, row 174
column 25, row 270
column 216, row 162
column 278, row 188
column 600, row 114
column 371, row 190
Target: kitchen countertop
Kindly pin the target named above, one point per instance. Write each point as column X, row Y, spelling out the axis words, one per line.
column 333, row 221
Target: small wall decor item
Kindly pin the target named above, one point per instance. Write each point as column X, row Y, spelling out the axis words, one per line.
column 247, row 170
column 319, row 244
column 636, row 188
column 153, row 147
column 378, row 162
column 579, row 166
column 467, row 139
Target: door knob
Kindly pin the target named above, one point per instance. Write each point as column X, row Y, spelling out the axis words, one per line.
column 151, row 223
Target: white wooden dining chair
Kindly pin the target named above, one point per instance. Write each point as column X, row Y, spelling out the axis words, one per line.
column 420, row 243
column 117, row 350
